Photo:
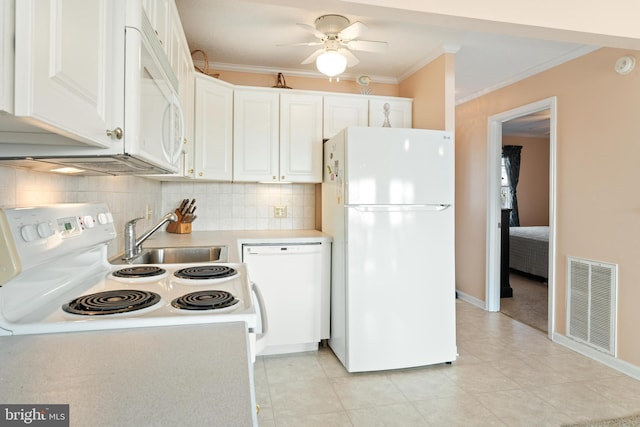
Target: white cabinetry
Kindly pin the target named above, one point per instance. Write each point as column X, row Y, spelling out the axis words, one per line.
column 277, row 137
column 182, row 65
column 6, row 55
column 400, row 112
column 66, row 78
column 300, row 138
column 159, row 14
column 213, row 156
column 343, row 111
column 255, row 135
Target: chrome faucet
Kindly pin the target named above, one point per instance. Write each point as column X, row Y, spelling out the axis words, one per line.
column 133, row 245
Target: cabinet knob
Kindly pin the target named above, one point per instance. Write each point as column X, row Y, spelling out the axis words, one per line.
column 274, row 177
column 282, row 177
column 117, row 132
column 200, row 174
column 184, row 141
column 190, row 171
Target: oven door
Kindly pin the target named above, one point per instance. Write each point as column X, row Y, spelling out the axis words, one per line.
column 154, row 122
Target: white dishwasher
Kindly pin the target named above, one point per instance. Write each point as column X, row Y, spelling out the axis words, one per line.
column 294, row 282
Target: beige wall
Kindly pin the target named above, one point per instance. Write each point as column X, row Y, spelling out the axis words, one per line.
column 533, row 182
column 306, row 83
column 598, row 213
column 432, row 89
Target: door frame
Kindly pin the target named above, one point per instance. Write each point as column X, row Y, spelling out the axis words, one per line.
column 494, row 154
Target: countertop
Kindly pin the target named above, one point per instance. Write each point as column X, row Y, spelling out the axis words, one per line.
column 234, row 239
column 197, row 375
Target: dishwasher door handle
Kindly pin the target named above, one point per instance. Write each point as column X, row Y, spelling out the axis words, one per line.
column 264, row 321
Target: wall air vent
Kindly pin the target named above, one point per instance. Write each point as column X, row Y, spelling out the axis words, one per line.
column 592, row 303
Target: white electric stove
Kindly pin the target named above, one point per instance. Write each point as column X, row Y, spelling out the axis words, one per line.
column 55, row 277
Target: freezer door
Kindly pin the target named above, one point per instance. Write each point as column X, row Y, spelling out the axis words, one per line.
column 398, row 166
column 400, row 294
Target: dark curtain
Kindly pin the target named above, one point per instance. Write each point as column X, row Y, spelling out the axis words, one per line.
column 511, row 154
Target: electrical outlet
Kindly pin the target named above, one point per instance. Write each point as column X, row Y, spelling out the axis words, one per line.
column 279, row 211
column 148, row 212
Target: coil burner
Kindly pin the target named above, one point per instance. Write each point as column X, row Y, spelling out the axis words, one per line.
column 111, row 302
column 205, row 300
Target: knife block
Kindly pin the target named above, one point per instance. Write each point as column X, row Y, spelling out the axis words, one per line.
column 179, row 227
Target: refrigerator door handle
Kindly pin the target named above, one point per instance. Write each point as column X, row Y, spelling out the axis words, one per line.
column 400, row 208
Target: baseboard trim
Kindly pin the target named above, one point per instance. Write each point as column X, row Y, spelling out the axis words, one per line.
column 471, row 300
column 610, row 361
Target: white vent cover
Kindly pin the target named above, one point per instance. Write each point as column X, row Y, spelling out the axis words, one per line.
column 592, row 303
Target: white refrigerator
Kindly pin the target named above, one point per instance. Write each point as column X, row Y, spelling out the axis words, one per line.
column 387, row 201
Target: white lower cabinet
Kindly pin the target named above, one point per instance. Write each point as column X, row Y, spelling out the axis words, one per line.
column 277, row 136
column 213, row 130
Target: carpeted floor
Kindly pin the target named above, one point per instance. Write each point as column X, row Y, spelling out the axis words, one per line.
column 529, row 303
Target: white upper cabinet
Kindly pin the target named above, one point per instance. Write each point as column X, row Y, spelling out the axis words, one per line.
column 277, row 136
column 65, row 79
column 343, row 111
column 255, row 135
column 160, row 16
column 213, row 157
column 6, row 55
column 300, row 137
column 400, row 112
column 182, row 65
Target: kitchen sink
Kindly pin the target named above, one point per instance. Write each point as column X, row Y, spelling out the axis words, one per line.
column 179, row 255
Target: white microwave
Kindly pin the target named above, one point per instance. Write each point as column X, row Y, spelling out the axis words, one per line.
column 150, row 139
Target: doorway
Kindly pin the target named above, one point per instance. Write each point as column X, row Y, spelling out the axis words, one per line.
column 494, row 201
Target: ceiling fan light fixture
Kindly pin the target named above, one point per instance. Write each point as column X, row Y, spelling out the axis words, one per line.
column 331, row 63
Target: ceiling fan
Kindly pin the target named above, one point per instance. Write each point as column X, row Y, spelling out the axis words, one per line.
column 338, row 37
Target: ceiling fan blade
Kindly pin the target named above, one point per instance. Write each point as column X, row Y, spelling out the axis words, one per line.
column 313, row 31
column 353, row 31
column 313, row 56
column 302, row 44
column 367, row 45
column 351, row 58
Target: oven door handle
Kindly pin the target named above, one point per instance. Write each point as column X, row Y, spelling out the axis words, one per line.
column 263, row 310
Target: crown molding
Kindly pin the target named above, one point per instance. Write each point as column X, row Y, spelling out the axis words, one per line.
column 220, row 66
column 583, row 50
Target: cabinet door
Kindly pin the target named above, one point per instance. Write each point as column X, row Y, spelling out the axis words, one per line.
column 213, row 130
column 255, row 135
column 343, row 111
column 6, row 55
column 300, row 138
column 182, row 65
column 400, row 112
column 64, row 54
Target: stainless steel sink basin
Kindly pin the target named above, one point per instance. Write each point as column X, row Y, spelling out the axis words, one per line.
column 181, row 255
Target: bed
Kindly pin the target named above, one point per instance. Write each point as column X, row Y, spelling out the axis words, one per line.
column 529, row 250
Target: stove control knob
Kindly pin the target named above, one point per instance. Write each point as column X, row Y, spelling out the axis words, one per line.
column 102, row 218
column 44, row 230
column 88, row 221
column 28, row 232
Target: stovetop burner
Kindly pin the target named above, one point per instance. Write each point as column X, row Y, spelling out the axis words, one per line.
column 111, row 302
column 206, row 272
column 139, row 271
column 205, row 300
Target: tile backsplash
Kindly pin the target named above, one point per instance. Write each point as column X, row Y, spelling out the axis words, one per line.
column 221, row 206
column 244, row 206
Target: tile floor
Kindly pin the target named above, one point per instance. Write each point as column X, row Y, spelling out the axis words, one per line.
column 507, row 374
